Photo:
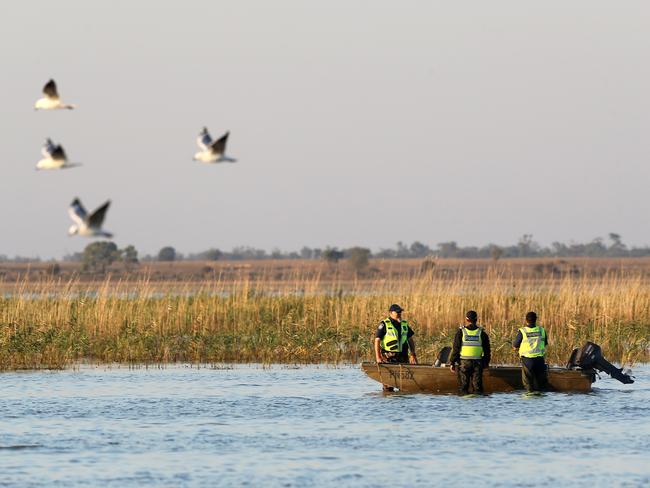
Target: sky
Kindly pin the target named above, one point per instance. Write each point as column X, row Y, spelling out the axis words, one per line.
column 354, row 122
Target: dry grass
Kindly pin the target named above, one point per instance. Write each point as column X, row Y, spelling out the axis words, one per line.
column 56, row 323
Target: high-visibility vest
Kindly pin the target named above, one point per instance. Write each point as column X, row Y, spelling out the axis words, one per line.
column 472, row 346
column 392, row 341
column 533, row 342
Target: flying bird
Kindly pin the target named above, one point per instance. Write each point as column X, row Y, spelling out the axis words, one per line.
column 54, row 157
column 51, row 99
column 212, row 151
column 87, row 225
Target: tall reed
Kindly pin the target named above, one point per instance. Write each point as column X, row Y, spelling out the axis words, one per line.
column 53, row 324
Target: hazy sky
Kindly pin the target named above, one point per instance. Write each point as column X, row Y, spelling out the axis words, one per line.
column 354, row 122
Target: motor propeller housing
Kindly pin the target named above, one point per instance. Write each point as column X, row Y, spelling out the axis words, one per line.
column 590, row 356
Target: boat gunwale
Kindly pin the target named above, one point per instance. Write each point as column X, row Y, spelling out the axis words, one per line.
column 500, row 378
column 554, row 369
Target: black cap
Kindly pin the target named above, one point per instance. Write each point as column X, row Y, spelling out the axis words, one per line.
column 395, row 308
column 472, row 316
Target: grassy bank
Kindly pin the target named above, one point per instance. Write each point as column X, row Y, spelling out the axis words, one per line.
column 53, row 324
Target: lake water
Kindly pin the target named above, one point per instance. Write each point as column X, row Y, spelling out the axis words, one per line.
column 309, row 426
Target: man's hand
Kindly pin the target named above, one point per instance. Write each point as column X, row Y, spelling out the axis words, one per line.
column 413, row 359
column 452, row 368
column 379, row 360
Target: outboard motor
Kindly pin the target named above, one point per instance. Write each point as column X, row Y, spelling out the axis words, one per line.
column 590, row 356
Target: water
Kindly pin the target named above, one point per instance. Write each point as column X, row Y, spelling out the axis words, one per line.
column 309, row 426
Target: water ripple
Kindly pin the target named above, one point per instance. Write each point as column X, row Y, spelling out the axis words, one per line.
column 312, row 426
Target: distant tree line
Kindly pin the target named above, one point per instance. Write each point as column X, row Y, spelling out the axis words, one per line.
column 526, row 247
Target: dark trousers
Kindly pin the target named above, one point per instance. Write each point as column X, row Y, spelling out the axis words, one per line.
column 533, row 374
column 469, row 372
column 394, row 358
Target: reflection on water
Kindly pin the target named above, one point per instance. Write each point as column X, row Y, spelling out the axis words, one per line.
column 309, row 426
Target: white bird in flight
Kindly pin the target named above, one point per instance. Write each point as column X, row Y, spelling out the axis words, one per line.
column 87, row 225
column 212, row 151
column 54, row 157
column 51, row 99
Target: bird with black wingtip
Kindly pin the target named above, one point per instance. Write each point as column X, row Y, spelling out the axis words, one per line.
column 394, row 339
column 470, row 355
column 530, row 343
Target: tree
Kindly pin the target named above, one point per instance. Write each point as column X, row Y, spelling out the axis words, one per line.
column 419, row 250
column 212, row 255
column 402, row 250
column 167, row 253
column 526, row 246
column 358, row 257
column 559, row 249
column 617, row 248
column 615, row 238
column 129, row 257
column 332, row 255
column 594, row 248
column 496, row 252
column 306, row 253
column 99, row 255
column 448, row 249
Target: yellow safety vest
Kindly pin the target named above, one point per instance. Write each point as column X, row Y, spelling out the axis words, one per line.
column 472, row 347
column 533, row 342
column 390, row 341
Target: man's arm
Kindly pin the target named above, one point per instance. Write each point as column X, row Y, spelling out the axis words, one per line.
column 487, row 352
column 379, row 335
column 454, row 357
column 413, row 359
column 378, row 355
column 517, row 342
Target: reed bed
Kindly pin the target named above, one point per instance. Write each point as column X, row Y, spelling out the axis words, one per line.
column 52, row 324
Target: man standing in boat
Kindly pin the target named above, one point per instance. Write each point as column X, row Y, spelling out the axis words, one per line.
column 394, row 339
column 470, row 354
column 531, row 342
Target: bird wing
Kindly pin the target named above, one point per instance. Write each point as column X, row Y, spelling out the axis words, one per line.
column 97, row 217
column 58, row 153
column 48, row 148
column 219, row 147
column 204, row 140
column 77, row 211
column 50, row 90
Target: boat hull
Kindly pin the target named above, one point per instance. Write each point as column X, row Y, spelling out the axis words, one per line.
column 430, row 379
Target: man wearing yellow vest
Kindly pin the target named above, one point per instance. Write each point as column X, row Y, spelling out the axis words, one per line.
column 394, row 339
column 531, row 342
column 470, row 354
